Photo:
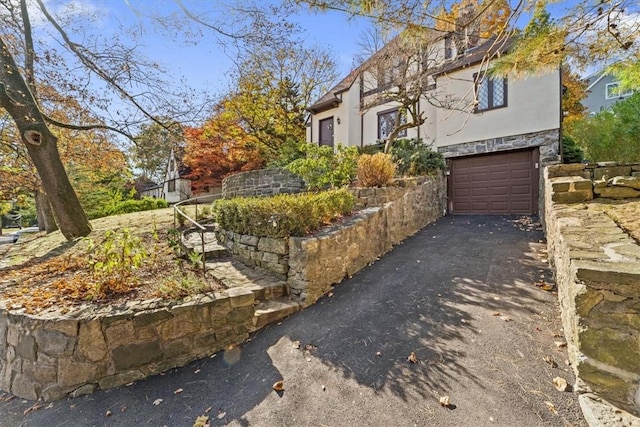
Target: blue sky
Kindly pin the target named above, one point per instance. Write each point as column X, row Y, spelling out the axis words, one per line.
column 205, row 64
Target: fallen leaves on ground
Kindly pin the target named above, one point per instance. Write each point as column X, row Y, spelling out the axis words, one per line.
column 296, row 345
column 550, row 361
column 178, row 391
column 107, row 414
column 412, row 357
column 506, row 318
column 560, row 384
column 545, row 286
column 278, row 386
column 551, row 407
column 158, row 401
column 445, row 401
column 201, row 421
column 560, row 344
column 221, row 414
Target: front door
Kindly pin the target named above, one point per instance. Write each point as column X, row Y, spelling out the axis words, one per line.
column 326, row 132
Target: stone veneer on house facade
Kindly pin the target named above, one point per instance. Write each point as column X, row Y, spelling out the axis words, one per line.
column 597, row 267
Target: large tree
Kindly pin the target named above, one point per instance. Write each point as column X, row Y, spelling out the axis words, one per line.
column 273, row 85
column 102, row 70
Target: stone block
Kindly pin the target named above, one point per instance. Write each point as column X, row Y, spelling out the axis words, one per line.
column 52, row 392
column 75, row 373
column 137, row 354
column 45, row 370
column 120, row 333
column 68, row 327
column 246, row 239
column 572, row 196
column 622, row 278
column 54, row 343
column 240, row 297
column 571, row 169
column 178, row 326
column 276, row 246
column 626, row 181
column 178, row 347
column 611, row 171
column 570, row 183
column 614, row 389
column 27, row 348
column 614, row 347
column 91, row 342
column 83, row 390
column 617, row 192
column 13, row 335
column 150, row 317
column 24, row 387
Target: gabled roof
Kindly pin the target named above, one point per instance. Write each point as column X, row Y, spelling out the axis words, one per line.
column 475, row 55
column 472, row 56
column 594, row 78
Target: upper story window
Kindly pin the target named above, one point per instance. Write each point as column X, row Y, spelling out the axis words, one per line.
column 490, row 93
column 390, row 72
column 448, row 47
column 388, row 121
column 613, row 91
column 171, row 185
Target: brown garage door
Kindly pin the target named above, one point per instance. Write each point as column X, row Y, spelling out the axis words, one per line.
column 499, row 183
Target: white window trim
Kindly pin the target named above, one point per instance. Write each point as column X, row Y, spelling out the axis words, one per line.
column 618, row 96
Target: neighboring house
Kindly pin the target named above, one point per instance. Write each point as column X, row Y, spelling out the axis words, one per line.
column 603, row 90
column 176, row 187
column 495, row 133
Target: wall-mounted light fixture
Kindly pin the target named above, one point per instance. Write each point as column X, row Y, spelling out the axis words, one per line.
column 338, row 120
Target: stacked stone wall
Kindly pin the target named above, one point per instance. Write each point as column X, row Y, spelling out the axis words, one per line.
column 581, row 182
column 264, row 182
column 597, row 267
column 265, row 252
column 49, row 358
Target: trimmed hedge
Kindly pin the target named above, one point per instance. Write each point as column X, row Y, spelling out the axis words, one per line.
column 132, row 205
column 282, row 215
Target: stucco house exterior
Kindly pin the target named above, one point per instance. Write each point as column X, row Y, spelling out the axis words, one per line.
column 495, row 133
column 603, row 90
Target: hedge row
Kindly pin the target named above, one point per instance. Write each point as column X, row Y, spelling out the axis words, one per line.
column 132, row 205
column 283, row 215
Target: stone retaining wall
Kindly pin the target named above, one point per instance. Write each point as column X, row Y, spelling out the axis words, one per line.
column 580, row 182
column 265, row 252
column 311, row 265
column 49, row 358
column 264, row 182
column 598, row 275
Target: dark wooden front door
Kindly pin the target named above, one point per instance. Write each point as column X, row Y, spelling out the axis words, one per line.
column 498, row 183
column 326, row 132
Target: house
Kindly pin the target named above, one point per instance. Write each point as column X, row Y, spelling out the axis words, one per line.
column 603, row 90
column 496, row 133
column 175, row 186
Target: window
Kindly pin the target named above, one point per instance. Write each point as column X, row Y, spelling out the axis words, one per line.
column 490, row 93
column 388, row 121
column 613, row 91
column 171, row 185
column 390, row 71
column 448, row 47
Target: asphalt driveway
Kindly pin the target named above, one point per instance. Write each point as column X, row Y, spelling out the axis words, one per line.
column 460, row 295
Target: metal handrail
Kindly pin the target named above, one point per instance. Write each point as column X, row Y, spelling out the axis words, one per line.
column 201, row 229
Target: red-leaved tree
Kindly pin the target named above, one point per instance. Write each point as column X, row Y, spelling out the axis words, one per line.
column 221, row 147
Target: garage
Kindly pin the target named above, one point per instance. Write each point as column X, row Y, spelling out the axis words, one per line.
column 497, row 183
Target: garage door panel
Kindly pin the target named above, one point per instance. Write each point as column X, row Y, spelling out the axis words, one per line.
column 499, row 183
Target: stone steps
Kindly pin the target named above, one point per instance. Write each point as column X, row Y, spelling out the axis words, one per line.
column 192, row 242
column 271, row 311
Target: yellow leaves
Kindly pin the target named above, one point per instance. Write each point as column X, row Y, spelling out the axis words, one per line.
column 278, row 386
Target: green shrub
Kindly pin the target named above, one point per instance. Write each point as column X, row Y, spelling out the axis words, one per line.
column 415, row 158
column 321, row 167
column 132, row 205
column 611, row 135
column 375, row 170
column 282, row 215
column 571, row 153
column 378, row 147
column 289, row 151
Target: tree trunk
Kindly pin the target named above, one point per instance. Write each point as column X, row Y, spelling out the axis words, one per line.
column 46, row 220
column 17, row 99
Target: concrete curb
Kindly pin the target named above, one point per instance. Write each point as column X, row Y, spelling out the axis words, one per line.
column 600, row 413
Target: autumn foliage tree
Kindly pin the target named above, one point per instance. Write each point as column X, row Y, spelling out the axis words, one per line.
column 219, row 148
